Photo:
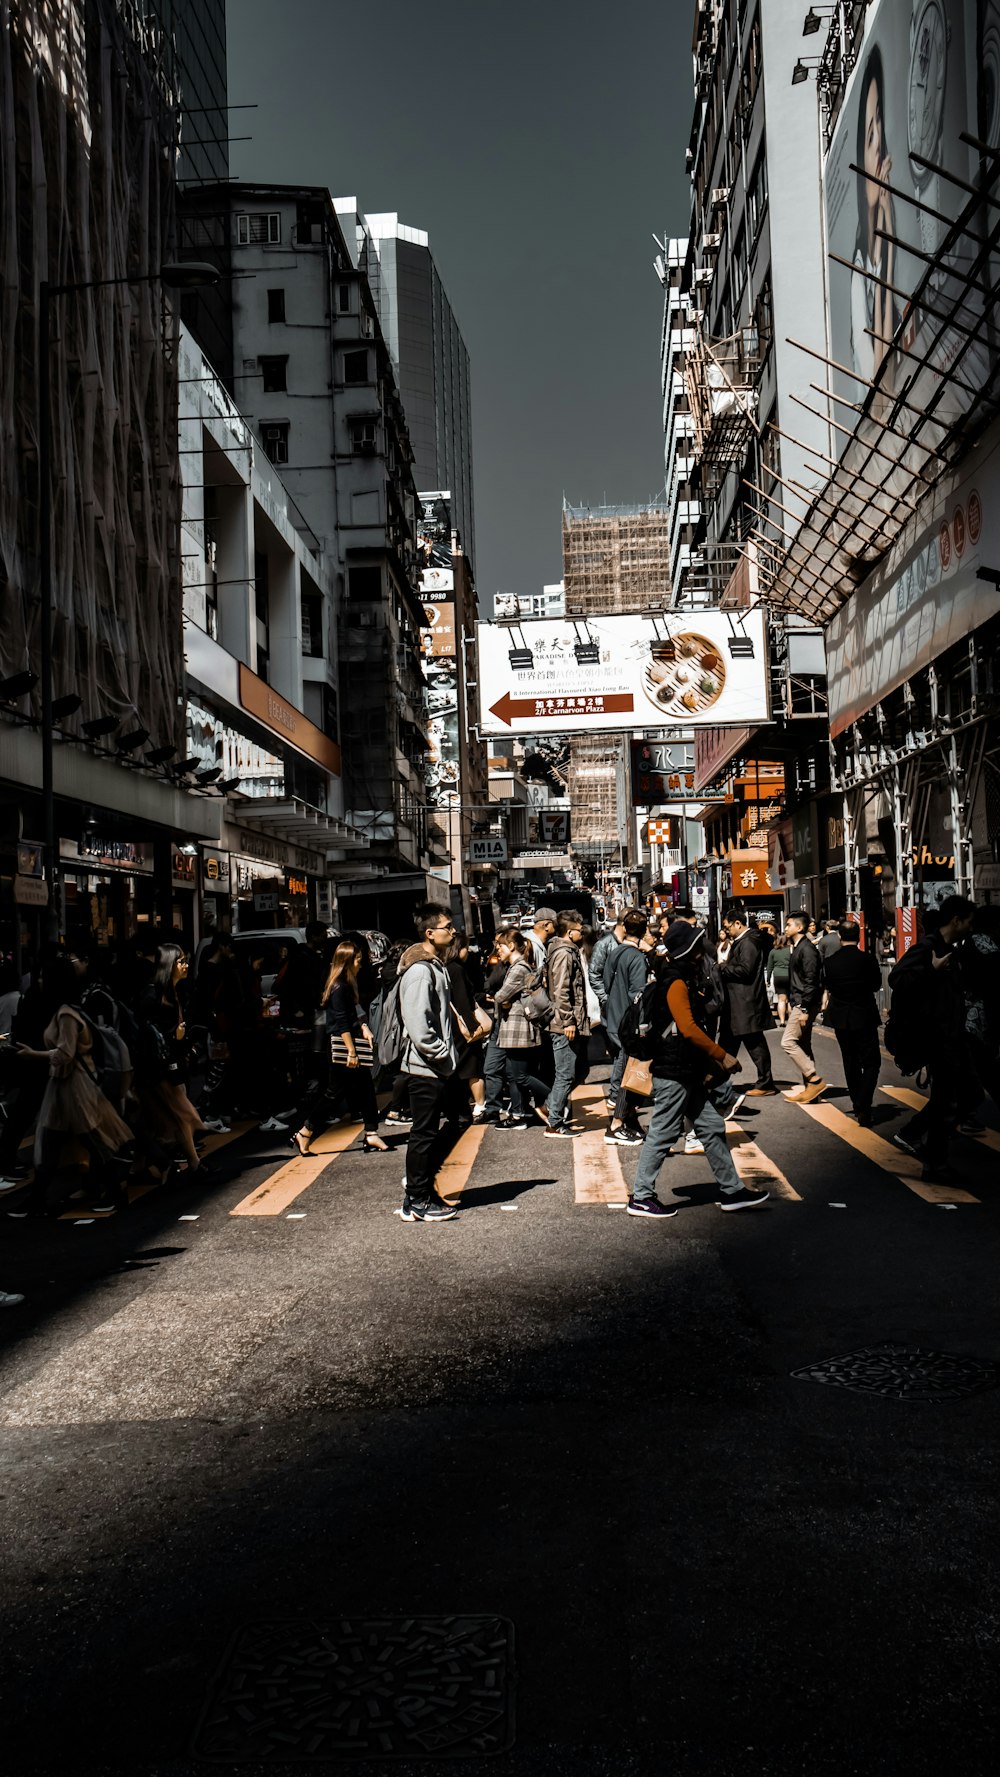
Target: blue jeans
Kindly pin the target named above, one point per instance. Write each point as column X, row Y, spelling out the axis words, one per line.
column 566, row 1057
column 495, row 1075
column 624, row 1105
column 673, row 1100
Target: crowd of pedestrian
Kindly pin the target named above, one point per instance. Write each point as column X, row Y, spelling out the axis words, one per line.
column 117, row 1069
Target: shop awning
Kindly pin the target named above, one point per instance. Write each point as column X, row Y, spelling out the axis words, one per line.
column 295, row 822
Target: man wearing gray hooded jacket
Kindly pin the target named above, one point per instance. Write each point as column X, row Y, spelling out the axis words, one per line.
column 429, row 1057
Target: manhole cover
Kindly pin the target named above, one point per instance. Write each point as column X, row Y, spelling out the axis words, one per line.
column 362, row 1688
column 903, row 1373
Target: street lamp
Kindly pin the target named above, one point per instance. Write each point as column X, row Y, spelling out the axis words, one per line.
column 175, row 276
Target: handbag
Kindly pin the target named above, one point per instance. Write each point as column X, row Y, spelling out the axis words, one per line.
column 536, row 1005
column 484, row 1021
column 362, row 1048
column 637, row 1077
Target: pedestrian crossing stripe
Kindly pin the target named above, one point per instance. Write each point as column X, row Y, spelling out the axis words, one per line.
column 597, row 1168
column 890, row 1159
column 917, row 1100
column 755, row 1167
column 454, row 1174
column 289, row 1182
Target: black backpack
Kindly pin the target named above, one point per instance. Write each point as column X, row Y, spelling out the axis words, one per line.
column 908, row 1034
column 642, row 1026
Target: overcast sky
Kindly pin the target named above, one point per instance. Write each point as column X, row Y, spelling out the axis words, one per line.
column 540, row 143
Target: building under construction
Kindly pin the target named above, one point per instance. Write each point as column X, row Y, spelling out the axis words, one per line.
column 616, row 559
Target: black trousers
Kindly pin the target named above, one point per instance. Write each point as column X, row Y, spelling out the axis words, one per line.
column 755, row 1044
column 426, row 1103
column 859, row 1052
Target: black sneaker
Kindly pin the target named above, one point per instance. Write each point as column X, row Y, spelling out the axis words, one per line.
column 649, row 1206
column 745, row 1198
column 513, row 1125
column 434, row 1210
column 624, row 1138
column 561, row 1132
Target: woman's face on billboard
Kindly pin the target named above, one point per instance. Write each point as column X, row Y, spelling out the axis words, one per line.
column 873, row 143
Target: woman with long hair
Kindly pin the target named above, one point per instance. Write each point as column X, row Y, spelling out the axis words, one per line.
column 351, row 1054
column 74, row 1109
column 874, row 309
column 518, row 1037
column 778, row 970
column 472, row 1028
column 160, row 1080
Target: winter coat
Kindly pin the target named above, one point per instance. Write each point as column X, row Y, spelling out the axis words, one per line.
column 805, row 978
column 779, row 967
column 627, row 976
column 600, row 956
column 515, row 1031
column 430, row 1049
column 747, row 1009
column 853, row 978
column 567, row 987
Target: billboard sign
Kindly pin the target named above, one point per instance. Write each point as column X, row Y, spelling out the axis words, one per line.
column 913, row 93
column 437, row 639
column 692, row 667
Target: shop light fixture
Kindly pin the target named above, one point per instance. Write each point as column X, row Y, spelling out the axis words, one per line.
column 225, row 784
column 98, row 726
column 805, row 66
column 521, row 659
column 65, row 706
column 190, row 850
column 814, row 19
column 127, row 743
column 160, row 755
column 186, row 766
column 741, row 647
column 588, row 653
column 17, row 685
column 209, row 776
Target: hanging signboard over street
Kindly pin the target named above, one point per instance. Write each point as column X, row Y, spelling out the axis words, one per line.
column 566, row 676
column 487, row 851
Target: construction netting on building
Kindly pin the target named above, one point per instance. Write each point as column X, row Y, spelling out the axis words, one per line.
column 616, row 559
column 88, row 142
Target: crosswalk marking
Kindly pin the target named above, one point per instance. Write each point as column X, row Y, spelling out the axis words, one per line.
column 289, row 1182
column 884, row 1154
column 454, row 1174
column 597, row 1169
column 755, row 1167
column 917, row 1100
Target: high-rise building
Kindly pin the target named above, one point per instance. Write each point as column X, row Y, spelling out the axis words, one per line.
column 197, row 29
column 616, row 559
column 431, row 362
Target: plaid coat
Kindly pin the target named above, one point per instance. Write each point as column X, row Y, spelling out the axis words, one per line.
column 515, row 1031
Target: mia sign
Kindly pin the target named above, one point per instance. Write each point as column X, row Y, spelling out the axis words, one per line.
column 560, row 676
column 487, row 851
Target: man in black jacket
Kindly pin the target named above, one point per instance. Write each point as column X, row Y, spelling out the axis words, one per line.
column 747, row 1014
column 805, row 996
column 853, row 978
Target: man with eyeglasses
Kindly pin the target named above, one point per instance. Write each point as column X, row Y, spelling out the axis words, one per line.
column 429, row 1057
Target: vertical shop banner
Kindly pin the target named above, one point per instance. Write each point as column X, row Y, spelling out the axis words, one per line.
column 439, row 649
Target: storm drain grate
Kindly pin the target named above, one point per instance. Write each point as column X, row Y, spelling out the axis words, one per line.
column 361, row 1688
column 903, row 1373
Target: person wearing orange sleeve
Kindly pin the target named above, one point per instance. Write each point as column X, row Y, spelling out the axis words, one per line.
column 687, row 1067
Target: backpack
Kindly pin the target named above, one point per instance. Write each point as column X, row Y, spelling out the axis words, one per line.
column 390, row 1038
column 111, row 1060
column 908, row 1033
column 641, row 1029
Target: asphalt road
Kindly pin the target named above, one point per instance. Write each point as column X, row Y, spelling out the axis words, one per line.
column 251, row 1461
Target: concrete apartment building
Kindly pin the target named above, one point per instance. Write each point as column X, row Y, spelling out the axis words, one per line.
column 314, row 376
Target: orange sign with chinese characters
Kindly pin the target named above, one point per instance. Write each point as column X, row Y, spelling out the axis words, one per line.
column 283, row 718
column 750, row 877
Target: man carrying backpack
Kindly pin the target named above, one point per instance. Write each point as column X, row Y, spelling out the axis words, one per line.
column 686, row 1065
column 926, row 1029
column 428, row 1057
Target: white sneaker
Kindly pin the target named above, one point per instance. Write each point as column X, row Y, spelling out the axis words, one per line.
column 735, row 1108
column 218, row 1125
column 273, row 1126
column 692, row 1145
column 10, row 1299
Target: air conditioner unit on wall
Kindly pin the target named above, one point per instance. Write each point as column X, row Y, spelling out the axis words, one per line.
column 704, row 274
column 711, row 242
column 720, row 196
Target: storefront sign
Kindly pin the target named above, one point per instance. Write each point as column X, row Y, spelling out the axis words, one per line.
column 662, row 771
column 274, row 851
column 284, row 719
column 29, row 891
column 804, row 841
column 553, row 826
column 437, row 637
column 30, row 858
column 907, row 929
column 749, row 874
column 296, row 885
column 265, row 902
column 215, row 871
column 487, row 851
column 183, row 868
column 714, row 748
column 92, row 853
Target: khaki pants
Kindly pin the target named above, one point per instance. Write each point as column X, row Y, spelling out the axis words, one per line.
column 796, row 1041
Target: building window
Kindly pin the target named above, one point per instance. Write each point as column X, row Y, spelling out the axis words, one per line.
column 264, row 228
column 312, row 624
column 276, row 305
column 344, row 298
column 355, row 367
column 364, row 437
column 274, row 438
column 757, row 194
column 274, row 374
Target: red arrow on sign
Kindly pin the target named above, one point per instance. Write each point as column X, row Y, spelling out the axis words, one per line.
column 514, row 709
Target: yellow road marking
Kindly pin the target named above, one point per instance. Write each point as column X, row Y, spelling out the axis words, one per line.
column 754, row 1166
column 883, row 1153
column 289, row 1182
column 597, row 1169
column 917, row 1101
column 454, row 1174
